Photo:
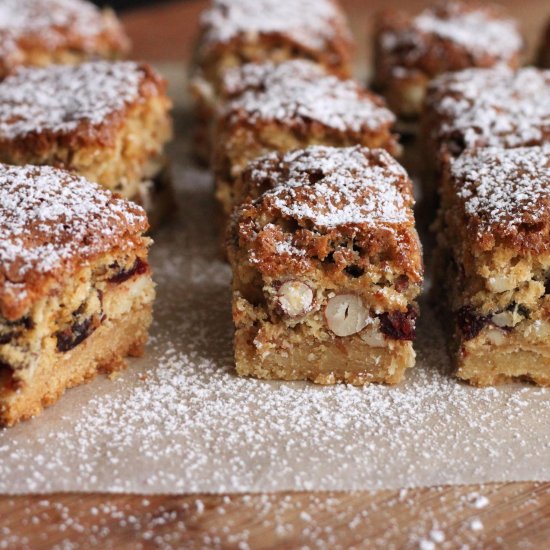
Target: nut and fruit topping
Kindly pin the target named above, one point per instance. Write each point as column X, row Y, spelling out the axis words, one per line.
column 294, row 298
column 346, row 315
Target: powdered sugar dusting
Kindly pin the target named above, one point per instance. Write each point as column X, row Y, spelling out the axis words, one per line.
column 256, row 76
column 48, row 217
column 298, row 91
column 478, row 30
column 493, row 107
column 180, row 421
column 60, row 98
column 312, row 23
column 504, row 186
column 353, row 186
column 47, row 20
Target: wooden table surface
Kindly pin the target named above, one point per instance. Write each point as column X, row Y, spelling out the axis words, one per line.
column 512, row 515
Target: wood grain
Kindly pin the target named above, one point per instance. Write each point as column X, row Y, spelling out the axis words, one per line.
column 514, row 515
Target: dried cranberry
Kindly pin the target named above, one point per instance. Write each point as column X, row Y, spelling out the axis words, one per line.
column 470, row 323
column 399, row 325
column 24, row 322
column 402, row 283
column 140, row 267
column 354, row 271
column 5, row 366
column 70, row 338
column 315, row 176
column 6, row 338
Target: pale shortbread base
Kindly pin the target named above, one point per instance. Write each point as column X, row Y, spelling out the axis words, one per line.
column 349, row 360
column 102, row 351
column 505, row 364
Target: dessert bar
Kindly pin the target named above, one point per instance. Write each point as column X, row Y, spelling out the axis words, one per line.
column 494, row 263
column 448, row 36
column 236, row 32
column 289, row 106
column 76, row 292
column 233, row 32
column 326, row 267
column 107, row 121
column 485, row 107
column 45, row 32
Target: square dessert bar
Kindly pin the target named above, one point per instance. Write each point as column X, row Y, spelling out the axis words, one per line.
column 494, row 263
column 544, row 49
column 484, row 108
column 106, row 121
column 448, row 36
column 236, row 32
column 46, row 32
column 75, row 287
column 290, row 106
column 327, row 265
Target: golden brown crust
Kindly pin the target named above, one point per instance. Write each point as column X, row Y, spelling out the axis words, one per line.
column 485, row 107
column 42, row 32
column 52, row 222
column 93, row 101
column 301, row 96
column 290, row 106
column 448, row 36
column 312, row 201
column 500, row 198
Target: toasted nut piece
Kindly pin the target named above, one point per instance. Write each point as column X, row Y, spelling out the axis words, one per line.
column 501, row 283
column 346, row 314
column 373, row 336
column 294, row 298
column 507, row 319
column 496, row 336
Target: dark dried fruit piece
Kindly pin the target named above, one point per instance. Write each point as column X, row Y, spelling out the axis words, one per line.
column 355, row 271
column 70, row 338
column 315, row 176
column 7, row 337
column 398, row 325
column 140, row 267
column 13, row 329
column 5, row 367
column 470, row 323
column 7, row 379
column 401, row 283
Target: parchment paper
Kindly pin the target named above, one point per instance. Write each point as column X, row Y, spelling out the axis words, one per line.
column 180, row 421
